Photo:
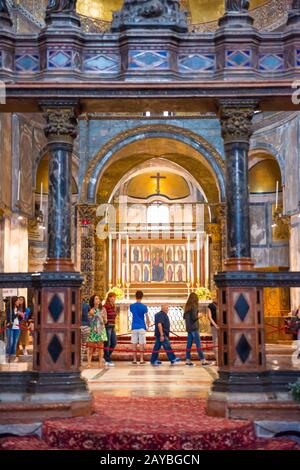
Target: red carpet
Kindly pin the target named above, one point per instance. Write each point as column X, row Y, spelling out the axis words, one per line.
column 177, row 342
column 148, row 424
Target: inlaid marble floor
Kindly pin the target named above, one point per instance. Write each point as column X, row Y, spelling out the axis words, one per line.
column 128, row 380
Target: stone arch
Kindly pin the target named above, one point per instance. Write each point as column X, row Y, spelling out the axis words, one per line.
column 269, row 148
column 198, row 143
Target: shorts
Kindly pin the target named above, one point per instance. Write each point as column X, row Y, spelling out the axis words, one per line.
column 138, row 336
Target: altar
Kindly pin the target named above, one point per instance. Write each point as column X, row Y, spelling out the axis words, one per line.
column 176, row 311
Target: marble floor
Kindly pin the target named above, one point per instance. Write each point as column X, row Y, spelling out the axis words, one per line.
column 129, row 380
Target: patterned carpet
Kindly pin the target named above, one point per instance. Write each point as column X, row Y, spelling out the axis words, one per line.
column 147, row 424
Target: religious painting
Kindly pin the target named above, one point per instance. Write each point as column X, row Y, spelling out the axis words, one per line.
column 146, row 254
column 146, row 273
column 170, row 273
column 170, row 254
column 136, row 273
column 136, row 254
column 180, row 273
column 158, row 265
column 180, row 254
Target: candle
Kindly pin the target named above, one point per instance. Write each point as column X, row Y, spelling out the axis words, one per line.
column 192, row 273
column 19, row 185
column 188, row 258
column 41, row 201
column 198, row 258
column 119, row 260
column 277, row 188
column 127, row 259
column 110, row 261
column 207, row 262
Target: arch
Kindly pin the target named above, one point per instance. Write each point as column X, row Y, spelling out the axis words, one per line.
column 198, row 143
column 270, row 149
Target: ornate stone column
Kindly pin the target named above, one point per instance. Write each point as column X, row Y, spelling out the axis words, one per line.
column 56, row 359
column 236, row 119
column 241, row 334
column 88, row 247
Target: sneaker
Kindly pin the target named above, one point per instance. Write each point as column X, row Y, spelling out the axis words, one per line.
column 191, row 364
column 205, row 363
column 176, row 360
column 156, row 363
column 109, row 364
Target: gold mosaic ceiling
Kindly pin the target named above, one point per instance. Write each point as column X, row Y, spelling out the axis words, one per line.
column 200, row 11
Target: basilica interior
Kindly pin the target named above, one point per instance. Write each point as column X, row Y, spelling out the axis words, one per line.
column 161, row 155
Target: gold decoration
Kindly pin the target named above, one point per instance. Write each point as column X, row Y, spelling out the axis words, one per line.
column 159, row 128
column 281, row 224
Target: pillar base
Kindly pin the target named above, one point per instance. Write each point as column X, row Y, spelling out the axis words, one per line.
column 236, row 20
column 62, row 20
column 254, row 395
column 59, row 265
column 33, row 397
column 239, row 264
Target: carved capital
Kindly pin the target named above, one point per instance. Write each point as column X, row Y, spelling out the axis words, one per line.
column 62, row 124
column 236, row 120
column 87, row 211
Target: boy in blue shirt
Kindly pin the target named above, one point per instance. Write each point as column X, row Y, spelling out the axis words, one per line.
column 138, row 335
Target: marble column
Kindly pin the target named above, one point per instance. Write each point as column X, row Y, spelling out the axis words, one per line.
column 236, row 119
column 241, row 353
column 61, row 130
column 56, row 360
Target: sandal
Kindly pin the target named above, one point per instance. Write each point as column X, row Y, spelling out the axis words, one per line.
column 134, row 363
column 142, row 363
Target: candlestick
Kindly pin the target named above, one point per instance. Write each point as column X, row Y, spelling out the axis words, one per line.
column 119, row 260
column 127, row 259
column 192, row 273
column 110, row 261
column 198, row 258
column 41, row 200
column 188, row 258
column 207, row 262
column 277, row 188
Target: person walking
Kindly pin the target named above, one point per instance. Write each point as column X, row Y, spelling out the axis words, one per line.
column 111, row 343
column 213, row 319
column 162, row 333
column 191, row 317
column 97, row 330
column 139, row 328
column 85, row 327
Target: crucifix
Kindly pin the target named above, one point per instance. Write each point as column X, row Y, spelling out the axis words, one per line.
column 158, row 177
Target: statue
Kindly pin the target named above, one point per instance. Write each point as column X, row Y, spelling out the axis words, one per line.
column 56, row 6
column 3, row 7
column 150, row 14
column 237, row 5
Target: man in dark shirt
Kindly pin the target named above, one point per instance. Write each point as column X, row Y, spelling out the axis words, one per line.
column 162, row 333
